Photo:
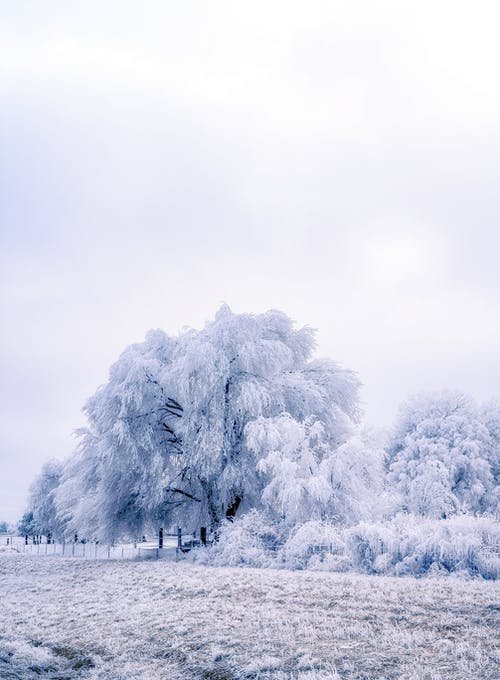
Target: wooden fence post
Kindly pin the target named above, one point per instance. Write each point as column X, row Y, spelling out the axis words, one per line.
column 160, row 538
column 179, row 538
column 203, row 535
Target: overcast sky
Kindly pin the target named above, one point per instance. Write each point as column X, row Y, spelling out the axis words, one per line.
column 339, row 161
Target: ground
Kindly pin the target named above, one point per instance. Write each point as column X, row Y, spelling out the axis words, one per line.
column 63, row 618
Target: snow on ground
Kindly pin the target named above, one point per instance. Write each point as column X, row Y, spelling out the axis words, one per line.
column 64, row 618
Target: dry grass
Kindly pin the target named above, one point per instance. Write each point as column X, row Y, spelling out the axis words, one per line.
column 115, row 620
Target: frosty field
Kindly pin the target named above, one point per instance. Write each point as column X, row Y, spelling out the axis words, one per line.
column 63, row 618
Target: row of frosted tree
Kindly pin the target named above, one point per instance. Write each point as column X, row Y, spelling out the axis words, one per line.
column 239, row 421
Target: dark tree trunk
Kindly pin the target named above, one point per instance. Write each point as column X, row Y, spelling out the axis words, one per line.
column 211, row 506
column 214, row 514
column 232, row 509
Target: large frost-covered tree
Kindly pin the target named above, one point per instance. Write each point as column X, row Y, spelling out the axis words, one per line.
column 166, row 437
column 444, row 455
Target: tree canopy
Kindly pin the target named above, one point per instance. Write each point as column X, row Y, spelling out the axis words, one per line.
column 167, row 438
column 444, row 455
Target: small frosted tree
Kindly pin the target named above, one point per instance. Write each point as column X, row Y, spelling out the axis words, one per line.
column 41, row 517
column 26, row 525
column 166, row 438
column 444, row 456
column 489, row 413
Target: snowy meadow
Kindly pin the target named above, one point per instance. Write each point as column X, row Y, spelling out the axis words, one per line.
column 64, row 618
column 237, row 435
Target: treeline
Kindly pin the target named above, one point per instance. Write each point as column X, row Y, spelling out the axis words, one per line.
column 202, row 428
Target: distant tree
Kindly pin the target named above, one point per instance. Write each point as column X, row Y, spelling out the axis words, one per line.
column 166, row 438
column 444, row 455
column 4, row 527
column 41, row 500
column 490, row 416
column 26, row 526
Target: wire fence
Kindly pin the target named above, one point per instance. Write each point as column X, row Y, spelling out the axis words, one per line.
column 172, row 547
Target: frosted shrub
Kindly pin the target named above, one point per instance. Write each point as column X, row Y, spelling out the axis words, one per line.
column 248, row 541
column 407, row 545
column 412, row 546
column 371, row 547
column 314, row 545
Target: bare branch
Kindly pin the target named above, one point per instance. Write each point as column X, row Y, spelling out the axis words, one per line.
column 184, row 493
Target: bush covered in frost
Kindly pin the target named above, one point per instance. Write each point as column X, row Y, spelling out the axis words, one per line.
column 249, row 541
column 404, row 546
column 314, row 545
column 410, row 546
